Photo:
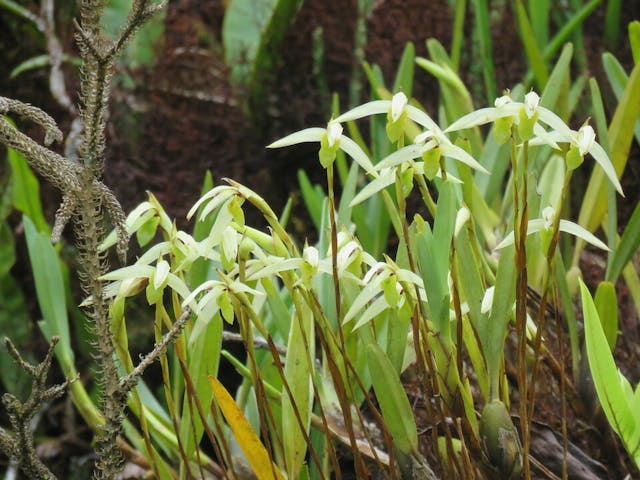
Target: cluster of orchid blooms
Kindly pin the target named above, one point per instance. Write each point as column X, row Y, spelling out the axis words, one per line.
column 523, row 122
column 423, row 156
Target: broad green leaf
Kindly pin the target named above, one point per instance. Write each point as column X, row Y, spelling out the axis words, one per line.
column 395, row 406
column 433, row 259
column 298, row 368
column 26, row 190
column 606, row 378
column 539, row 12
column 607, row 306
column 255, row 452
column 50, row 292
column 469, row 273
column 203, row 359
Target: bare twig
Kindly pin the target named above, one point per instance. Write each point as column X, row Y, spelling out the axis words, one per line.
column 20, row 447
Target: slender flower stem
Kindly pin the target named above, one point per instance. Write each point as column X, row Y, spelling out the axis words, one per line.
column 520, row 235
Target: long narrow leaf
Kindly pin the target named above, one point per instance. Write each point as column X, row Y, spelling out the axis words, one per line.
column 256, row 454
column 607, row 379
column 50, row 292
column 628, row 246
column 531, row 48
column 393, row 401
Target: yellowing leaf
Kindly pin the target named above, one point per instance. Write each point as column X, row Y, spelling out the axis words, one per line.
column 256, row 454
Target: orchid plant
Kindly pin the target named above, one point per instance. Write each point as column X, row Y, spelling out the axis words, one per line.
column 318, row 320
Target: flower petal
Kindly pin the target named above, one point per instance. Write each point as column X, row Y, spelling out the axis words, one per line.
column 400, row 156
column 457, row 153
column 531, row 103
column 555, row 122
column 307, row 135
column 334, row 132
column 585, row 139
column 421, row 118
column 354, row 151
column 370, row 108
column 581, row 232
column 374, row 187
column 480, row 117
column 533, row 226
column 600, row 156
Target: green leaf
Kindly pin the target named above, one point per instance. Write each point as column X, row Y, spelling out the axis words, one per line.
column 203, row 359
column 606, row 378
column 607, row 306
column 252, row 30
column 540, row 19
column 298, row 368
column 481, row 11
column 612, row 24
column 628, row 246
column 433, row 259
column 26, row 190
column 18, row 9
column 568, row 28
column 531, row 48
column 553, row 90
column 404, row 74
column 39, row 61
column 313, row 198
column 395, row 406
column 634, row 40
column 7, row 249
column 618, row 79
column 50, row 292
column 147, row 231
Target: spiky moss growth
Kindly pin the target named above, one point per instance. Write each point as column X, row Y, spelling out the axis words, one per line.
column 85, row 200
